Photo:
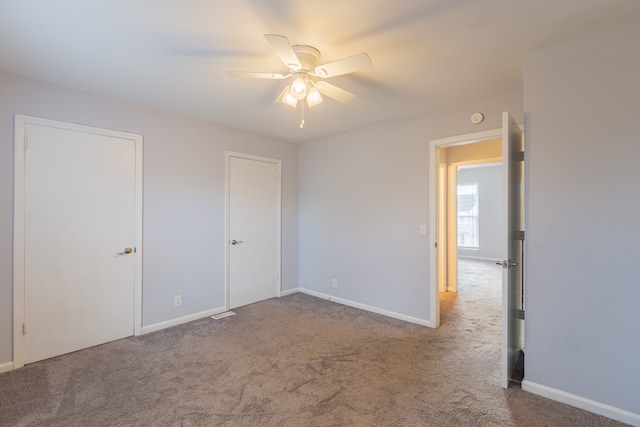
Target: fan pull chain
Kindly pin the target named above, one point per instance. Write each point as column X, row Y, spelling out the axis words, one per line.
column 302, row 114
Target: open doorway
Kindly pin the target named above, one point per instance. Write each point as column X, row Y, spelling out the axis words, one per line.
column 471, row 228
column 477, row 220
column 443, row 228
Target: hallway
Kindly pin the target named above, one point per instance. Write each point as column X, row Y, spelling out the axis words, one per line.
column 479, row 296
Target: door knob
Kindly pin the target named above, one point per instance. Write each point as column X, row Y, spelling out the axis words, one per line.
column 235, row 242
column 507, row 264
column 125, row 252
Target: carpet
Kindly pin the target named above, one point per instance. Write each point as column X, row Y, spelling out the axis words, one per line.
column 293, row 361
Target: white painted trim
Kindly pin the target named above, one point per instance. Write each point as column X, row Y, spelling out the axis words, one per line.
column 388, row 313
column 582, row 403
column 180, row 320
column 451, row 231
column 6, row 367
column 20, row 125
column 468, row 138
column 479, row 164
column 478, row 258
column 487, row 161
column 138, row 224
column 18, row 239
column 434, row 288
column 289, row 292
column 441, row 225
column 278, row 163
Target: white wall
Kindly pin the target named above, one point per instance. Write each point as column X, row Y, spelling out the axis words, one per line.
column 184, row 195
column 363, row 197
column 489, row 179
column 582, row 285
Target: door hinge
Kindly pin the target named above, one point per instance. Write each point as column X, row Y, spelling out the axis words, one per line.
column 277, row 277
column 25, row 143
column 519, row 314
column 520, row 235
column 519, row 156
column 24, row 329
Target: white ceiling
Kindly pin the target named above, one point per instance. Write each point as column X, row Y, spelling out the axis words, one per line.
column 174, row 54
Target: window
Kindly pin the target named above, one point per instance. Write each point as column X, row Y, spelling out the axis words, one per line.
column 468, row 213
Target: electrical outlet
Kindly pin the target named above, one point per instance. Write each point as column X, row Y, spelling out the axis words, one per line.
column 177, row 301
column 334, row 283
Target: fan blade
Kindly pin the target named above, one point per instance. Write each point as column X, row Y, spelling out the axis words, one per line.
column 257, row 75
column 282, row 94
column 334, row 92
column 283, row 49
column 351, row 64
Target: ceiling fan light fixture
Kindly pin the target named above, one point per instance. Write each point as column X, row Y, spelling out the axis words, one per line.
column 298, row 88
column 286, row 98
column 313, row 97
column 289, row 99
column 302, row 63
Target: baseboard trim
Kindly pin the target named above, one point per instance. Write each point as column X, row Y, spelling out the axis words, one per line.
column 477, row 258
column 582, row 403
column 388, row 313
column 289, row 292
column 6, row 367
column 180, row 320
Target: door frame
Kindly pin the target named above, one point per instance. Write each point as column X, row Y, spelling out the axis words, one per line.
column 20, row 144
column 451, row 228
column 434, row 247
column 278, row 163
column 442, row 220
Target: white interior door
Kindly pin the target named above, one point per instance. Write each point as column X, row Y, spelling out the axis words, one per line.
column 253, row 230
column 512, row 313
column 80, row 212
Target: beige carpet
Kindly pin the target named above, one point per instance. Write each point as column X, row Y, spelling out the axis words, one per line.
column 293, row 361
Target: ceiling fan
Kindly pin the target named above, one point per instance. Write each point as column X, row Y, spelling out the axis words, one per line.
column 307, row 76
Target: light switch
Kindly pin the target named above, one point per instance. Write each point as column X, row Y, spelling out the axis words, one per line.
column 423, row 230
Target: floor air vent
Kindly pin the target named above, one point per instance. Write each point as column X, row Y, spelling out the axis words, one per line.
column 222, row 315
